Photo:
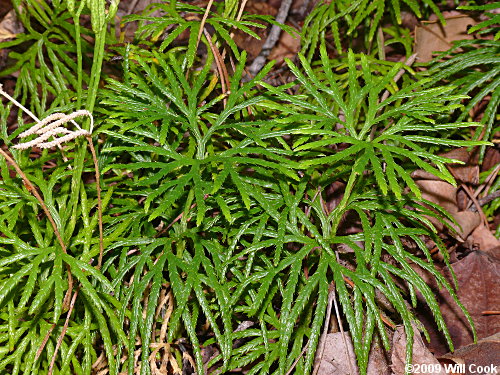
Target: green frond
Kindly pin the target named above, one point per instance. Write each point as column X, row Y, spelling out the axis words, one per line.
column 353, row 14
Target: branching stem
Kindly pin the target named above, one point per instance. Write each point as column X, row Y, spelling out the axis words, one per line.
column 34, row 191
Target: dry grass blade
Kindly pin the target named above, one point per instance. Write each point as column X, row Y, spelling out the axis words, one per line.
column 322, row 340
column 224, row 76
column 63, row 332
column 203, row 20
column 166, row 306
column 44, row 342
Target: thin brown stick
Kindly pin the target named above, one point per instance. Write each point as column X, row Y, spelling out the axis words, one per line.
column 63, row 332
column 469, row 192
column 220, row 66
column 341, row 328
column 397, row 77
column 490, row 312
column 219, row 62
column 303, row 9
column 488, row 182
column 272, row 38
column 238, row 17
column 322, row 340
column 489, row 198
column 486, row 185
column 485, row 200
column 383, row 317
column 34, row 191
column 297, row 359
column 176, row 219
column 385, row 95
column 44, row 342
column 240, row 12
column 203, row 21
column 99, row 200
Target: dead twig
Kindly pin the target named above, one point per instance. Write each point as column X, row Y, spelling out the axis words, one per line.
column 297, row 359
column 221, row 67
column 469, row 192
column 99, row 200
column 486, row 185
column 383, row 317
column 238, row 17
column 63, row 332
column 485, row 200
column 303, row 8
column 33, row 190
column 322, row 340
column 271, row 40
column 490, row 312
column 203, row 21
column 44, row 342
column 397, row 77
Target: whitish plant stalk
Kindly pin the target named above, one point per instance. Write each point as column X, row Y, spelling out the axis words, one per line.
column 50, row 127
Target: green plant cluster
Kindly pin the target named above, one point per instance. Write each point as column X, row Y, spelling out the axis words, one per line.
column 219, row 232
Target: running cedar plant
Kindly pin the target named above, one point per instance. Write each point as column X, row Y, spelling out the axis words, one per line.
column 475, row 72
column 237, row 190
column 224, row 17
column 53, row 302
column 219, row 233
column 363, row 16
column 491, row 25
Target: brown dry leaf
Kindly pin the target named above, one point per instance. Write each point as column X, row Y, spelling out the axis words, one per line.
column 478, row 277
column 262, row 7
column 445, row 194
column 10, row 26
column 433, row 36
column 485, row 354
column 486, row 241
column 336, row 357
column 287, row 46
column 491, row 159
column 421, row 355
column 247, row 42
column 467, row 173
